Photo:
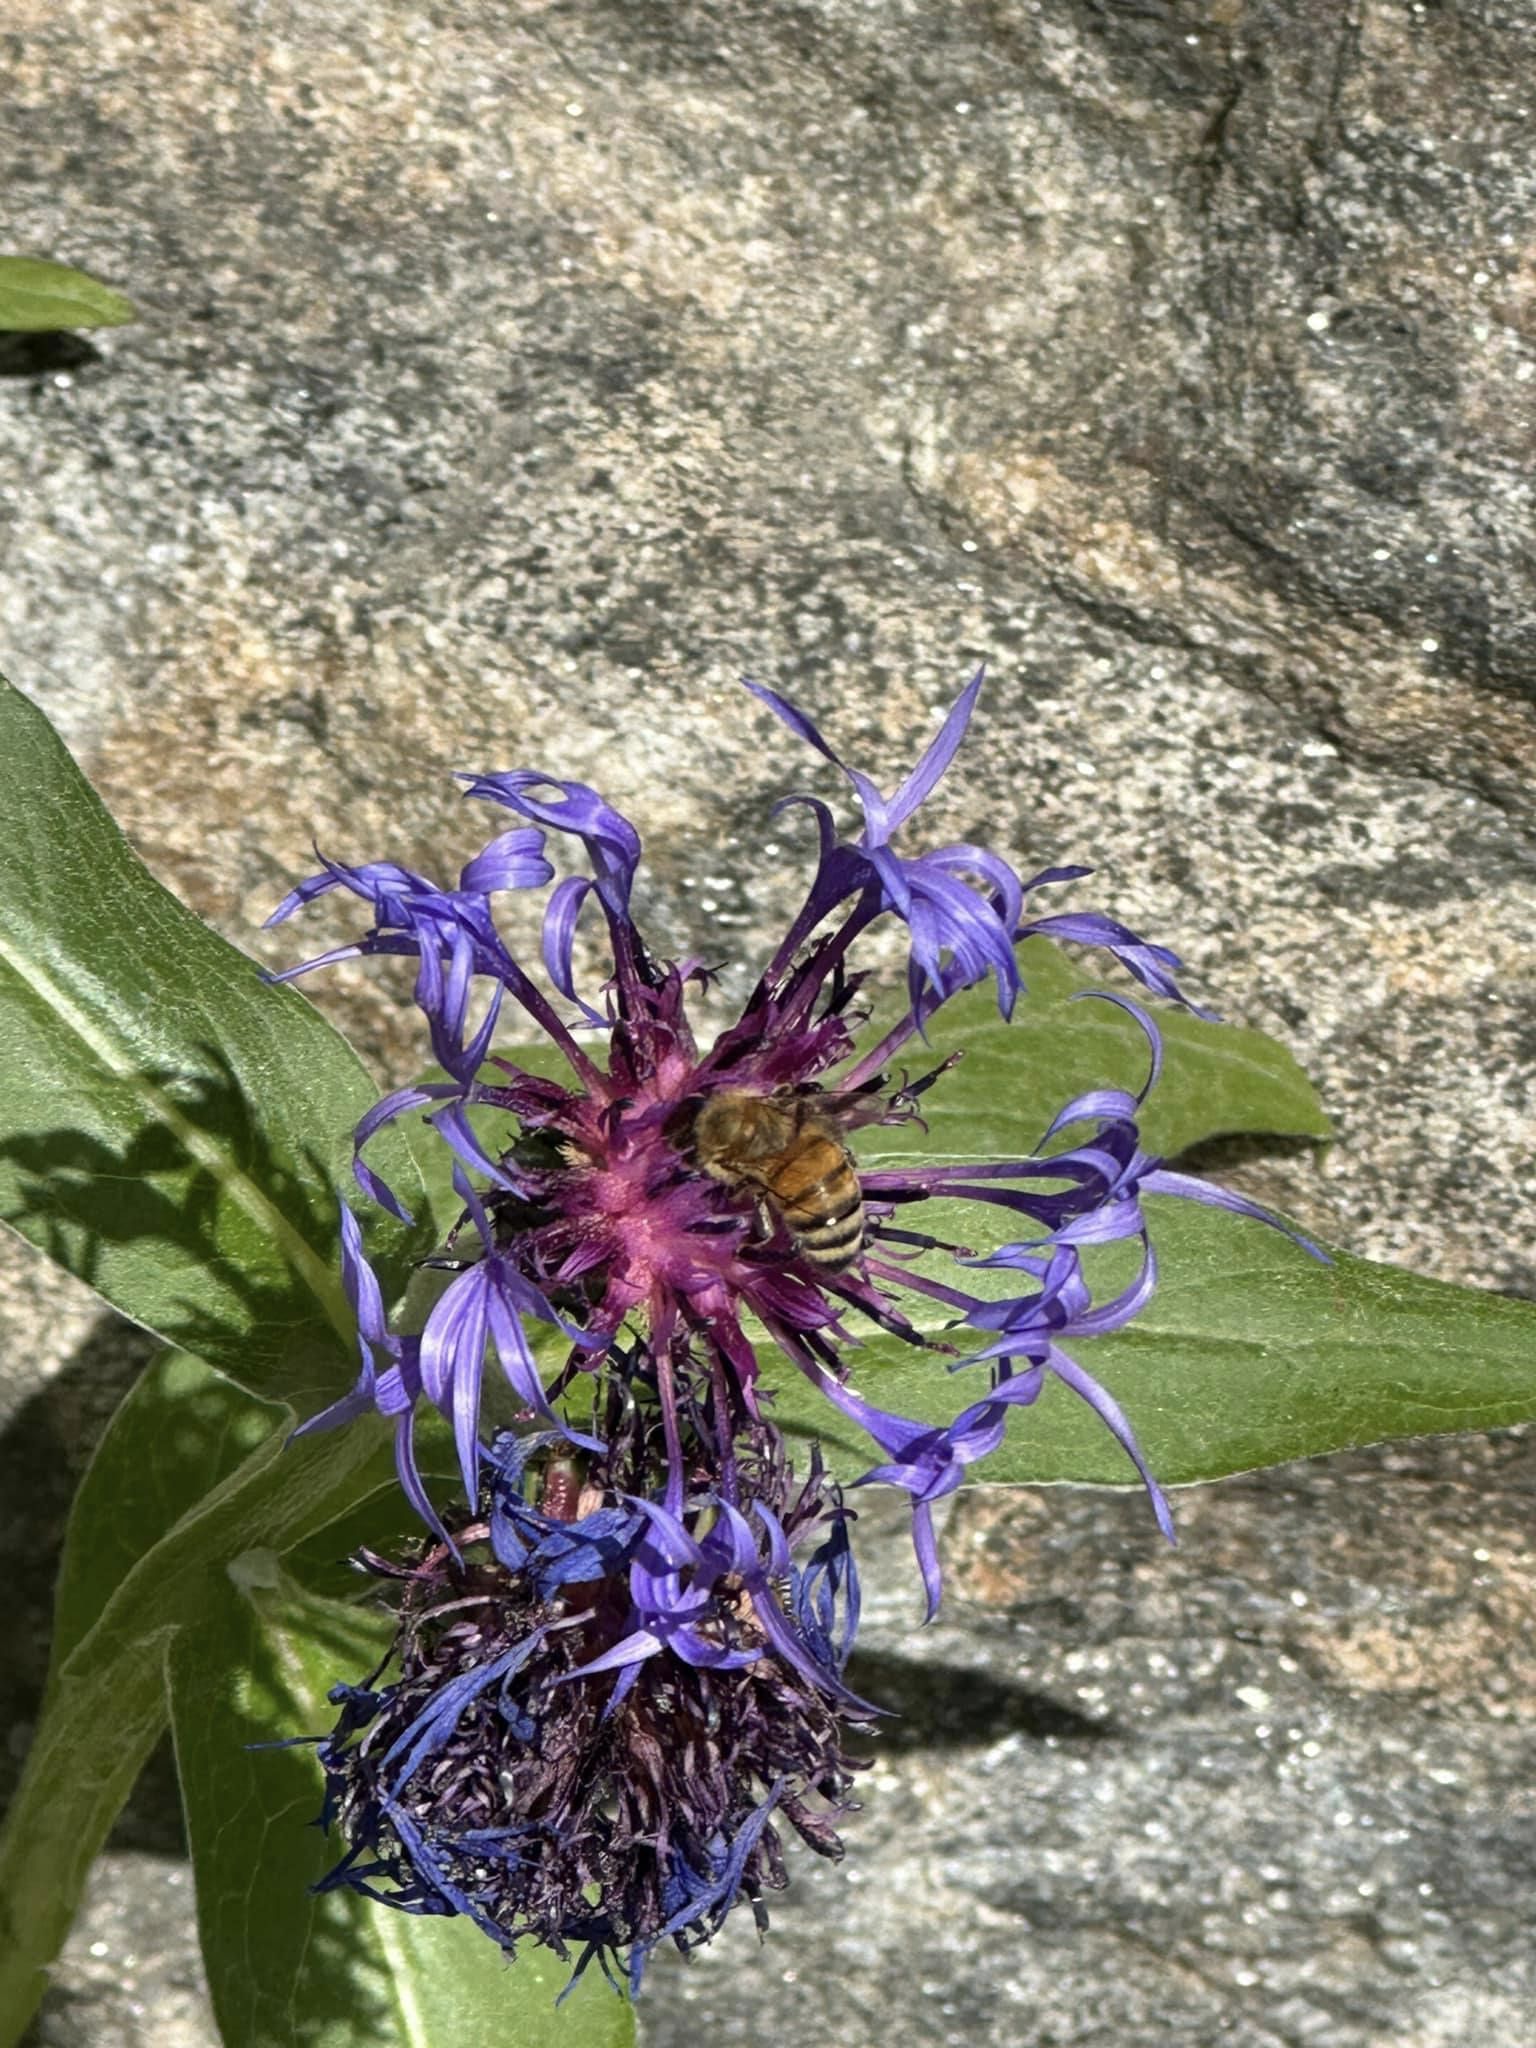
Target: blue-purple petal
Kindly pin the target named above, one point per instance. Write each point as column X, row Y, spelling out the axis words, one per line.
column 612, row 843
column 1151, row 965
column 870, row 800
column 559, row 938
column 513, row 860
column 1109, row 1411
column 936, row 756
column 1161, row 1182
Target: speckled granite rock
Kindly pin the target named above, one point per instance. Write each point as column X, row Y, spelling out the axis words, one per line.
column 508, row 381
column 1275, row 1790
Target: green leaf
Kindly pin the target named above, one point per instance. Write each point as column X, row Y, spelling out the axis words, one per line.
column 81, row 1767
column 173, row 1128
column 191, row 1486
column 1218, row 1080
column 37, row 297
column 1250, row 1353
column 287, row 1969
column 106, row 1704
column 178, row 1433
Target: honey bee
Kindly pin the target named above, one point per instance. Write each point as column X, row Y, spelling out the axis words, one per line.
column 789, row 1151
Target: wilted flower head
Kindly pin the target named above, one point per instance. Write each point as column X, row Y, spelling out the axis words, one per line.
column 602, row 1707
column 599, row 1720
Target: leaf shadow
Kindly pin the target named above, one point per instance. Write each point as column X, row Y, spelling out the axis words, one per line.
column 212, row 1280
column 1212, row 1157
column 86, row 1201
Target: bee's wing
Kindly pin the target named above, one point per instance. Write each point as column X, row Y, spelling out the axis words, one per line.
column 848, row 1108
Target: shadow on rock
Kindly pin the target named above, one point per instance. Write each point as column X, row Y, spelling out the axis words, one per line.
column 949, row 1706
column 44, row 355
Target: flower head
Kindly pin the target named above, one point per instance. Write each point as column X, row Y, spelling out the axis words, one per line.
column 609, row 1698
column 494, row 1775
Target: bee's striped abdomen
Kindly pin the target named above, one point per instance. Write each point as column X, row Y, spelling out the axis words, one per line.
column 818, row 1192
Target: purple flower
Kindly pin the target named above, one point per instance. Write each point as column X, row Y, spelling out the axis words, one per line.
column 1153, row 966
column 487, row 1302
column 621, row 1658
column 943, row 913
column 962, row 904
column 613, row 847
column 552, row 1551
column 448, row 932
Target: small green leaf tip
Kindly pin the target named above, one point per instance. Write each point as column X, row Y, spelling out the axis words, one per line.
column 40, row 297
